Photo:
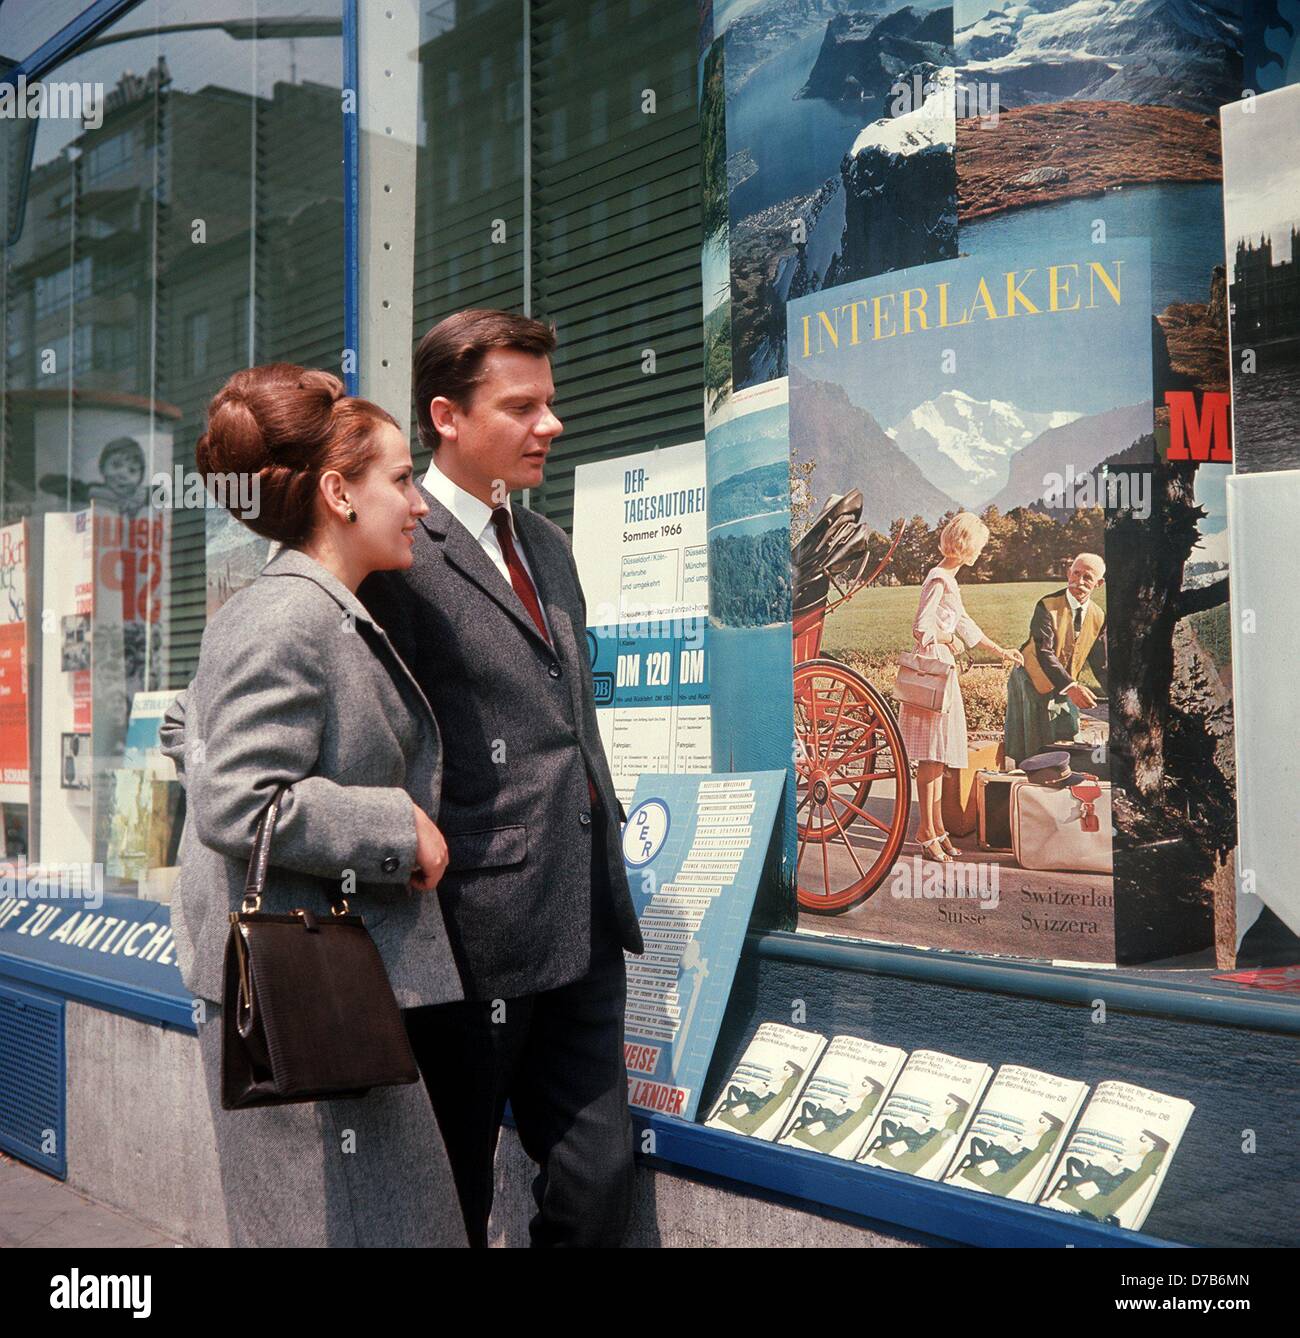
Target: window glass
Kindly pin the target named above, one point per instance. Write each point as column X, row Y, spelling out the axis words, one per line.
column 27, row 25
column 181, row 216
column 612, row 208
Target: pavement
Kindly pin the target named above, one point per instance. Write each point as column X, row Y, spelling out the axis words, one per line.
column 38, row 1211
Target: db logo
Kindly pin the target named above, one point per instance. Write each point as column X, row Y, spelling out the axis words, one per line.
column 646, row 830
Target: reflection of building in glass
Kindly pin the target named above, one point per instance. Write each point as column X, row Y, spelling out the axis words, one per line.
column 1265, row 294
column 469, row 244
column 133, row 252
column 197, row 229
column 108, row 293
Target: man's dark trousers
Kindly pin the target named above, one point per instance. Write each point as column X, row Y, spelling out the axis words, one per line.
column 557, row 1057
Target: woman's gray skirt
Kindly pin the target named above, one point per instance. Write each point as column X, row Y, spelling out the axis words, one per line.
column 368, row 1172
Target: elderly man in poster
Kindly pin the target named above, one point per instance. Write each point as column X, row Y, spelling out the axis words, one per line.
column 1067, row 631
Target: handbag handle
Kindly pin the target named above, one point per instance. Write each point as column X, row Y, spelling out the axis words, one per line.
column 255, row 881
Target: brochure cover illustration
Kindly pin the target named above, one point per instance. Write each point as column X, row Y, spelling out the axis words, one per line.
column 1017, row 1134
column 695, row 848
column 835, row 1109
column 913, row 397
column 921, row 1125
column 1113, row 1166
column 774, row 1069
column 1014, row 1138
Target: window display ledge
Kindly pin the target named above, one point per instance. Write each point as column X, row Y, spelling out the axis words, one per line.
column 1193, row 995
column 876, row 1195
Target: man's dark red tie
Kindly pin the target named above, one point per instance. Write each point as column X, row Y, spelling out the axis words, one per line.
column 527, row 593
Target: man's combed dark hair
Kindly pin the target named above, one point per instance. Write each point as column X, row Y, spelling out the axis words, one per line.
column 449, row 360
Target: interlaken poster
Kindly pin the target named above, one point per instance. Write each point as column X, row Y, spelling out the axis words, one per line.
column 915, row 397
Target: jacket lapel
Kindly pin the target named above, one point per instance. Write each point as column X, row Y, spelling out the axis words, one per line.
column 464, row 552
column 548, row 578
column 294, row 562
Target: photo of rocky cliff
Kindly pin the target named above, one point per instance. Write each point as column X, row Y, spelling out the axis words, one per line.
column 840, row 143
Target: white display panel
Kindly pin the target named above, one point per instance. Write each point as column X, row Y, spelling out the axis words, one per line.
column 1262, row 510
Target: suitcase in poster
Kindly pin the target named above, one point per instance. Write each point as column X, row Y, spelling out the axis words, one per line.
column 993, row 800
column 960, row 802
column 1062, row 828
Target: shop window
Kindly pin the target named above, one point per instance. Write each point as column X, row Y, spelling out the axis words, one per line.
column 120, row 324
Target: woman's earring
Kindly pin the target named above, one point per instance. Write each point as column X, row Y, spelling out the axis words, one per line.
column 352, row 516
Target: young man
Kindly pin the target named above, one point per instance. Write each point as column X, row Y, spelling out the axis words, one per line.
column 1067, row 631
column 492, row 622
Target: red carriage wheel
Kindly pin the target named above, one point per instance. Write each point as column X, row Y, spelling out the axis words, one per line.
column 853, row 786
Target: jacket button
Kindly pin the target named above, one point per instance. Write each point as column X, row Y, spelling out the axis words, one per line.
column 585, row 819
column 390, row 864
column 554, row 671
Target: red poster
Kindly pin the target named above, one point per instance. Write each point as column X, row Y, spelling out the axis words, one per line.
column 13, row 655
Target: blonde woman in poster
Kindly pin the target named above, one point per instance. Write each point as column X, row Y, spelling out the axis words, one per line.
column 935, row 739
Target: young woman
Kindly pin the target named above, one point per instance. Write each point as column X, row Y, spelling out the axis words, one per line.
column 935, row 739
column 297, row 686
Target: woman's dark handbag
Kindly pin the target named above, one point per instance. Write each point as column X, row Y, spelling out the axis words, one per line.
column 307, row 1013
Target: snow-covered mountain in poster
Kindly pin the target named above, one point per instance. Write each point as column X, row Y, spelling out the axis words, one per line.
column 964, row 445
column 1178, row 53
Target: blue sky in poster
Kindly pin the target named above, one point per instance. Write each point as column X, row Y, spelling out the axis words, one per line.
column 1086, row 361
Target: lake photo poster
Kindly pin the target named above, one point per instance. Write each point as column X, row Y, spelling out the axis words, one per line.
column 839, row 154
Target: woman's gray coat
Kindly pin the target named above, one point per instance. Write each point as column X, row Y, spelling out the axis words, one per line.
column 297, row 686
